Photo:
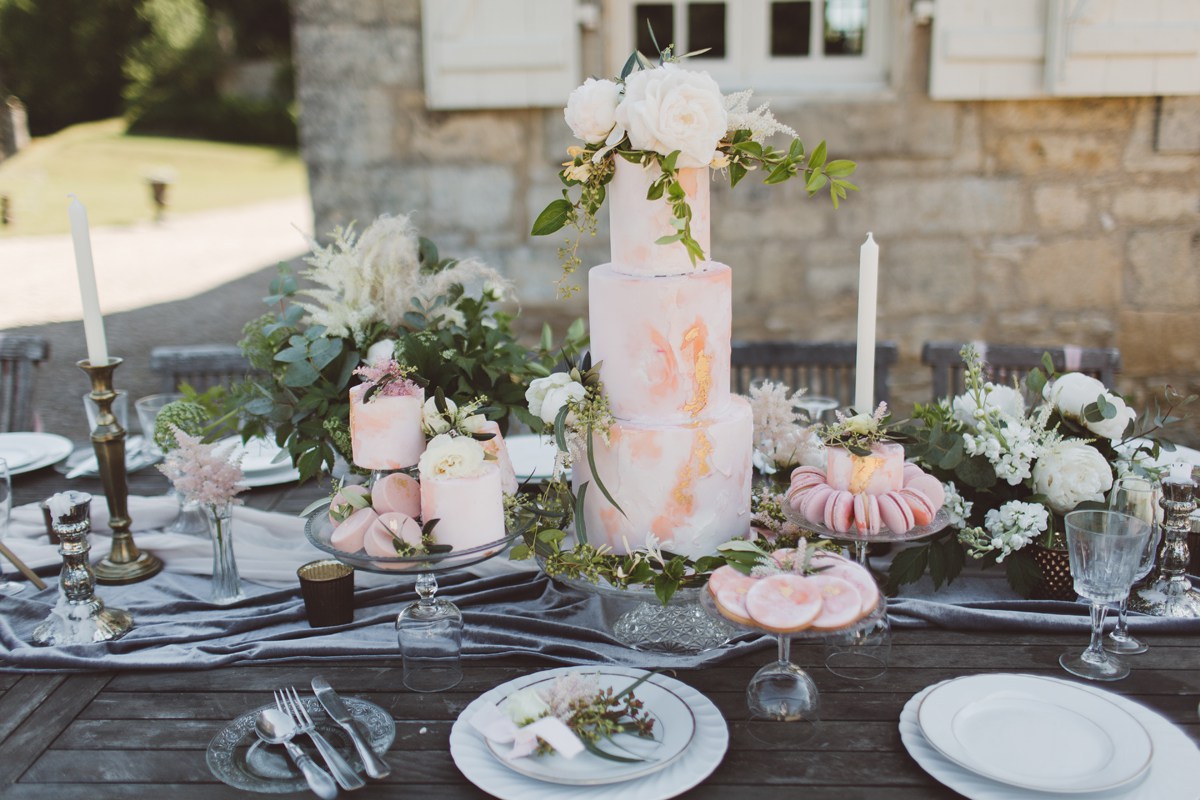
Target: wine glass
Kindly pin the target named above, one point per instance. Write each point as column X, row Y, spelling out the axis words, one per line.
column 782, row 691
column 815, row 406
column 1105, row 549
column 6, row 587
column 430, row 635
column 1137, row 497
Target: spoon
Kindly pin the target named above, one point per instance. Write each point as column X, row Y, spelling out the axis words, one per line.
column 275, row 727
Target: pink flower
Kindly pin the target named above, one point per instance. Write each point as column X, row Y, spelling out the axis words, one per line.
column 202, row 472
column 390, row 376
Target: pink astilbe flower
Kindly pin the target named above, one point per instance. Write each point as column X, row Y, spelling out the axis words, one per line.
column 391, row 377
column 203, row 473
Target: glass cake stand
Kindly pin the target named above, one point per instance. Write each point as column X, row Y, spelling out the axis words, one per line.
column 782, row 690
column 863, row 654
column 638, row 619
column 430, row 630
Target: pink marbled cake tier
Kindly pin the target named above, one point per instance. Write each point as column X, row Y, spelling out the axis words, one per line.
column 469, row 510
column 688, row 485
column 662, row 343
column 878, row 473
column 637, row 223
column 385, row 431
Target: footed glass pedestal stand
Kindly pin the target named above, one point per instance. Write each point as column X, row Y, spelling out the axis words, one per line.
column 862, row 654
column 782, row 690
column 429, row 631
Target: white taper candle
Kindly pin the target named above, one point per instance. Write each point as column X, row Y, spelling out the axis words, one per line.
column 868, row 290
column 93, row 321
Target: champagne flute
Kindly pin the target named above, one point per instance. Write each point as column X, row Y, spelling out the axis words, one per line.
column 1105, row 549
column 1137, row 497
column 6, row 587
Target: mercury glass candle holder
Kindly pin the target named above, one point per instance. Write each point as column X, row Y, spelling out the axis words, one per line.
column 1170, row 593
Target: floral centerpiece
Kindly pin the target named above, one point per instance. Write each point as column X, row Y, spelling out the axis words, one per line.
column 1012, row 471
column 671, row 118
column 382, row 295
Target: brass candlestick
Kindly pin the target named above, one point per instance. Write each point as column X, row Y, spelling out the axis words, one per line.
column 79, row 617
column 1170, row 593
column 124, row 563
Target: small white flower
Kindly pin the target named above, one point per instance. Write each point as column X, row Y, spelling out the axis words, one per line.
column 433, row 420
column 591, row 109
column 546, row 396
column 525, row 706
column 1070, row 472
column 449, row 456
column 670, row 108
column 1073, row 392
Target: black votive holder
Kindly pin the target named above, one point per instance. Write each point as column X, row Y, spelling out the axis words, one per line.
column 328, row 590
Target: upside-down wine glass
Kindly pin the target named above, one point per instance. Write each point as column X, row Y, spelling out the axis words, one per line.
column 430, row 635
column 1137, row 497
column 1105, row 549
column 815, row 406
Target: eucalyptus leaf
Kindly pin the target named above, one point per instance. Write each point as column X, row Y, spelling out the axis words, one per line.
column 553, row 217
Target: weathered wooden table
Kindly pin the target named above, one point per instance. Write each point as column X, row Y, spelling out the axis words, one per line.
column 144, row 734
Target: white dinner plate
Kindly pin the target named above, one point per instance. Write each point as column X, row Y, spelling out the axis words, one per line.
column 1057, row 737
column 284, row 474
column 673, row 731
column 532, row 456
column 26, row 451
column 1172, row 773
column 480, row 767
column 83, row 459
column 258, row 454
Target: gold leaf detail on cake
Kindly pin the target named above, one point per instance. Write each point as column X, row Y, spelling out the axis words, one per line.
column 695, row 340
column 861, row 470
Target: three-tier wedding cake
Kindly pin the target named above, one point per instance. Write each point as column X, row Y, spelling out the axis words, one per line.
column 678, row 459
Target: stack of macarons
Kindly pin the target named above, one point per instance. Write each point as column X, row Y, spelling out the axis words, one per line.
column 836, row 593
column 375, row 521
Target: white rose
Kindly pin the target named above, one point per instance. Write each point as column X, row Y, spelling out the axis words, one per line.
column 525, row 706
column 1069, row 473
column 670, row 108
column 591, row 109
column 535, row 395
column 474, row 423
column 1004, row 399
column 433, row 420
column 451, row 457
column 1073, row 392
column 861, row 423
column 380, row 353
column 558, row 397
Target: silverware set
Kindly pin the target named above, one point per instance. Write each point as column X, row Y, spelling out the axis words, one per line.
column 290, row 718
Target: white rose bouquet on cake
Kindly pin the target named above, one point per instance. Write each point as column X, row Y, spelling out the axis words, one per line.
column 671, row 118
column 1012, row 472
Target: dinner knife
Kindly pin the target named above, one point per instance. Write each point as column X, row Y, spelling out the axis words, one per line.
column 376, row 767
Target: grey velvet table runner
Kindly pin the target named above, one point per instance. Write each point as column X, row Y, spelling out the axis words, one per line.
column 506, row 614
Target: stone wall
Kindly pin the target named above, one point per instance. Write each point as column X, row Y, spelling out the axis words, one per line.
column 1037, row 222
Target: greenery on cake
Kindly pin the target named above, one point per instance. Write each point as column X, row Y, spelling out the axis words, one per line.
column 664, row 117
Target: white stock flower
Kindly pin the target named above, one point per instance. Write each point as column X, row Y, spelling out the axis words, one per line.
column 451, row 457
column 1073, row 392
column 433, row 420
column 380, row 353
column 546, row 396
column 591, row 109
column 1004, row 399
column 525, row 706
column 669, row 108
column 1070, row 472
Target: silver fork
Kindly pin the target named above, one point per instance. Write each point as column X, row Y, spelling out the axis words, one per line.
column 288, row 701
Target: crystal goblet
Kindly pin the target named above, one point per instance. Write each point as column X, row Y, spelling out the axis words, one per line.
column 1105, row 549
column 1137, row 497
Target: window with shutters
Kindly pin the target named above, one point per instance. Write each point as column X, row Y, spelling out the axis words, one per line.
column 780, row 47
column 1064, row 48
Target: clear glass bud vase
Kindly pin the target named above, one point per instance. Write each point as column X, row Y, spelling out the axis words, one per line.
column 226, row 584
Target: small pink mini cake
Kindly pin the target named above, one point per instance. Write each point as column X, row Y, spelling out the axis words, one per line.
column 385, row 430
column 498, row 450
column 880, row 472
column 462, row 491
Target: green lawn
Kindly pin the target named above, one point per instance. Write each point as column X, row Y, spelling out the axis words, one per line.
column 107, row 170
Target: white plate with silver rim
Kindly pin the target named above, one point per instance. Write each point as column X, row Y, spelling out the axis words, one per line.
column 478, row 765
column 26, row 451
column 1172, row 772
column 1056, row 737
column 284, row 474
column 673, row 729
column 258, row 455
column 532, row 456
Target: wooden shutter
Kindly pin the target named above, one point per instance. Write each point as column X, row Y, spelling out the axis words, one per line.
column 499, row 53
column 983, row 49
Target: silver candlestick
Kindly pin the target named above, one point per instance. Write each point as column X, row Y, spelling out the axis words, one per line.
column 79, row 616
column 1170, row 593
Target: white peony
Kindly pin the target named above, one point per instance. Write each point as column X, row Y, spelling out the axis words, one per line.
column 525, row 706
column 1070, row 472
column 1005, row 399
column 591, row 109
column 1073, row 392
column 670, row 108
column 546, row 396
column 449, row 456
column 380, row 353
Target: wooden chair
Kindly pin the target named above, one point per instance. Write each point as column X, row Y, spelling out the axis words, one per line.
column 20, row 355
column 199, row 365
column 1005, row 362
column 824, row 368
